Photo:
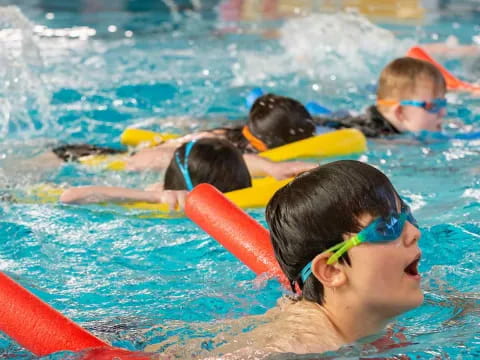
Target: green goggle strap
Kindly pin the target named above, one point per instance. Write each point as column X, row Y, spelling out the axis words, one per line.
column 340, row 249
column 337, row 250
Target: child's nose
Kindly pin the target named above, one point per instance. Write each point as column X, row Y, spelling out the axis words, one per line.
column 412, row 236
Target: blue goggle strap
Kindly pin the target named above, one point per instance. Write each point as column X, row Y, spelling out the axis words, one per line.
column 184, row 166
column 306, row 272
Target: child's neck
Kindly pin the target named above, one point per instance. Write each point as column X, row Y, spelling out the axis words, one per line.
column 391, row 118
column 353, row 321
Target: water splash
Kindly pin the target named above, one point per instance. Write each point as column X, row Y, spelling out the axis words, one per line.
column 23, row 98
column 330, row 48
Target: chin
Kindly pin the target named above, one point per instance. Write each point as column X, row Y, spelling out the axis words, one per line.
column 415, row 300
column 420, row 299
column 408, row 303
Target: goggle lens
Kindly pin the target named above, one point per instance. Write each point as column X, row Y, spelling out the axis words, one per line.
column 435, row 106
column 389, row 227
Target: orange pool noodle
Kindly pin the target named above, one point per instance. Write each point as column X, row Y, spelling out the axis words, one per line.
column 238, row 232
column 453, row 83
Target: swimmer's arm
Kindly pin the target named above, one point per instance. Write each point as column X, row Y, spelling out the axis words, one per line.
column 155, row 187
column 156, row 158
column 159, row 157
column 259, row 166
column 99, row 194
column 451, row 49
column 175, row 143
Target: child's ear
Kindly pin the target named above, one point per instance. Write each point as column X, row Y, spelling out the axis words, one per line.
column 398, row 112
column 331, row 276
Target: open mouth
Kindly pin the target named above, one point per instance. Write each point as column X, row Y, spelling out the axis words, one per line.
column 412, row 268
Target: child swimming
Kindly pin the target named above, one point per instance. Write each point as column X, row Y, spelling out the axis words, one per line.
column 206, row 160
column 343, row 237
column 273, row 121
column 410, row 98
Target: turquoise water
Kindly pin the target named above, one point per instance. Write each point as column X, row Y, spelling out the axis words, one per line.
column 79, row 74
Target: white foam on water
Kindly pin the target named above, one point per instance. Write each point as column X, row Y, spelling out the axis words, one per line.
column 472, row 193
column 24, row 100
column 326, row 47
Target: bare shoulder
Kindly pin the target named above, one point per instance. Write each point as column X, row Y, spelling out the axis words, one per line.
column 290, row 327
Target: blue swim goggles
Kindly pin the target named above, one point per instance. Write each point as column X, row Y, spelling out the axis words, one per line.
column 382, row 229
column 433, row 107
column 184, row 166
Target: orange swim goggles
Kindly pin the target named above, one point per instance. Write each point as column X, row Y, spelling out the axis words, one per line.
column 253, row 140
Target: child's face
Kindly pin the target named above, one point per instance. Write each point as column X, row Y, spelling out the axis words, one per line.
column 384, row 276
column 416, row 118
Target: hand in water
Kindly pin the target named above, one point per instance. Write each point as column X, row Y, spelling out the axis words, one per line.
column 175, row 199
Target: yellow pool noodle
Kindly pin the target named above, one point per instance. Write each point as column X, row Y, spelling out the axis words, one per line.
column 135, row 137
column 335, row 143
column 108, row 162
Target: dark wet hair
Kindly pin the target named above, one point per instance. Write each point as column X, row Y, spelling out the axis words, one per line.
column 314, row 211
column 213, row 161
column 279, row 120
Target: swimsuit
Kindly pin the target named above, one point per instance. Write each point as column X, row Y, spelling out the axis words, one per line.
column 73, row 152
column 372, row 124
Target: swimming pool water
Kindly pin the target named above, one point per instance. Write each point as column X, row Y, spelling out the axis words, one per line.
column 70, row 73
